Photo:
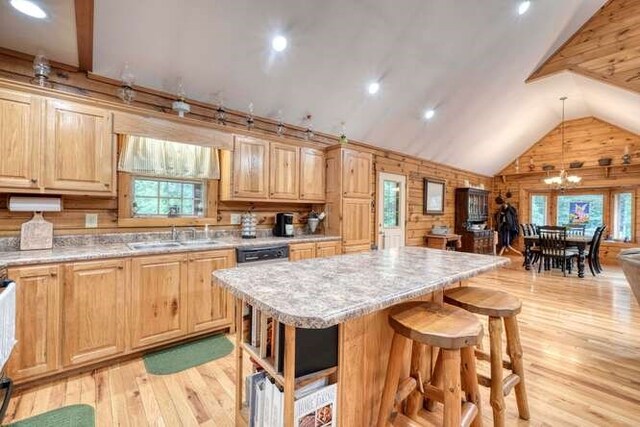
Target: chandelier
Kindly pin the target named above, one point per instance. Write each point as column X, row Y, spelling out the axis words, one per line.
column 563, row 180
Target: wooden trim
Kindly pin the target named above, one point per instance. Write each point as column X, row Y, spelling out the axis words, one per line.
column 84, row 31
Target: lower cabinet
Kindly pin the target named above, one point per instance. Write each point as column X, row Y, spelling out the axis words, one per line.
column 158, row 299
column 300, row 251
column 94, row 315
column 209, row 306
column 37, row 321
column 327, row 249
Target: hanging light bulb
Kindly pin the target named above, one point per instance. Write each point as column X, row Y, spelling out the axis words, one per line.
column 250, row 120
column 220, row 111
column 41, row 70
column 308, row 133
column 563, row 180
column 126, row 92
column 180, row 105
column 343, row 134
column 280, row 129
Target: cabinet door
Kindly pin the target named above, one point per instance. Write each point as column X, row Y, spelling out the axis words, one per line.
column 157, row 308
column 356, row 174
column 356, row 222
column 37, row 321
column 250, row 168
column 312, row 174
column 283, row 178
column 94, row 311
column 327, row 249
column 300, row 251
column 20, row 125
column 79, row 149
column 209, row 306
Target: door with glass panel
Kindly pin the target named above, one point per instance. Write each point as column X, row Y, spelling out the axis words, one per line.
column 391, row 210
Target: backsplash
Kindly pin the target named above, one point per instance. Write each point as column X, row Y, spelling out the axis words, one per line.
column 76, row 240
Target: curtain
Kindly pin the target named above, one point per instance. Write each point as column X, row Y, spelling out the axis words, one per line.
column 167, row 159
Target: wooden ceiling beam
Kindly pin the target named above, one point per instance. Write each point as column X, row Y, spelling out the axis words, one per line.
column 84, row 33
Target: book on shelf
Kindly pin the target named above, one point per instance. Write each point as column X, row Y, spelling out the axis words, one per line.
column 254, row 384
column 317, row 409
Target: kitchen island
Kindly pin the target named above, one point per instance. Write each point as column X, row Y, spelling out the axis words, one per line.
column 355, row 293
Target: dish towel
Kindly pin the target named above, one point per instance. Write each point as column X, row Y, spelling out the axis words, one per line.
column 7, row 322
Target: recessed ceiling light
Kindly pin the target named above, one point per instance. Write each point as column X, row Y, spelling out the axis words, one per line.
column 373, row 88
column 429, row 114
column 279, row 43
column 524, row 6
column 29, row 8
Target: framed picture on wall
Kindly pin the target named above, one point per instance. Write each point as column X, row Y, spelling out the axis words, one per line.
column 433, row 200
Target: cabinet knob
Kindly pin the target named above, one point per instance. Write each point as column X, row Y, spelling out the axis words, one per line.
column 106, row 184
column 34, row 180
column 120, row 267
column 53, row 274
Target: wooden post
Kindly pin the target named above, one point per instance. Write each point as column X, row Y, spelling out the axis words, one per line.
column 470, row 382
column 451, row 387
column 436, row 379
column 396, row 356
column 289, row 373
column 514, row 349
column 239, row 376
column 497, row 396
column 419, row 367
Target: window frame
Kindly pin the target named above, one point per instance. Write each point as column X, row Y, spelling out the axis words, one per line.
column 159, row 197
column 614, row 194
column 547, row 206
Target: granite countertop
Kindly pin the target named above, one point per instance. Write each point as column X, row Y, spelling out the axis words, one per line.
column 321, row 292
column 117, row 250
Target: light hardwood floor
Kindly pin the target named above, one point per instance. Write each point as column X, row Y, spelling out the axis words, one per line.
column 581, row 343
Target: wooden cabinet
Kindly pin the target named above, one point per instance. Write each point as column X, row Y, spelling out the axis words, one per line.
column 37, row 321
column 94, row 312
column 356, row 218
column 250, row 178
column 157, row 308
column 312, row 174
column 300, row 251
column 327, row 249
column 283, row 176
column 472, row 208
column 209, row 306
column 20, row 126
column 79, row 149
column 356, row 174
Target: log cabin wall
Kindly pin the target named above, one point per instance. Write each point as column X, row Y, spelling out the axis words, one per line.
column 586, row 140
column 17, row 66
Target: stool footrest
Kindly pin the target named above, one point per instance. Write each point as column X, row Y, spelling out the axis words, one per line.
column 405, row 388
column 401, row 420
column 509, row 383
column 484, row 381
column 469, row 413
column 433, row 393
column 481, row 355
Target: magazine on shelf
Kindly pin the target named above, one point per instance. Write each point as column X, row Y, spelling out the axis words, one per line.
column 317, row 409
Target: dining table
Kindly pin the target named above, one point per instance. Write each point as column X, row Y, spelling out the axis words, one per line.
column 579, row 242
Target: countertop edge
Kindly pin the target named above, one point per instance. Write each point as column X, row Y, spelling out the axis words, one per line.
column 313, row 322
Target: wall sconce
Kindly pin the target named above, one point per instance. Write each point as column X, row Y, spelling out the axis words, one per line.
column 126, row 92
column 41, row 71
column 180, row 106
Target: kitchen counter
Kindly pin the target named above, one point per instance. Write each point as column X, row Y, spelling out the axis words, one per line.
column 322, row 292
column 118, row 250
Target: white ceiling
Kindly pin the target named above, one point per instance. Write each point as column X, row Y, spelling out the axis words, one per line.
column 468, row 59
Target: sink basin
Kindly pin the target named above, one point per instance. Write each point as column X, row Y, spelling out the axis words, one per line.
column 201, row 242
column 154, row 245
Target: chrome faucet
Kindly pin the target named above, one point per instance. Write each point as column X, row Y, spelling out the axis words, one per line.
column 174, row 232
column 193, row 232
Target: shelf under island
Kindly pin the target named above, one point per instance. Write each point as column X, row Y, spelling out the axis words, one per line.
column 352, row 293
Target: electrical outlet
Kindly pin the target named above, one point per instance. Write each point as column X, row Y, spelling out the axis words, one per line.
column 236, row 219
column 91, row 220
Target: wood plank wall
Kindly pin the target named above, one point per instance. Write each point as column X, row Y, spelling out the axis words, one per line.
column 17, row 66
column 587, row 140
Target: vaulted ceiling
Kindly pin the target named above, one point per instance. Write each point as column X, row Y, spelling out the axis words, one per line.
column 466, row 59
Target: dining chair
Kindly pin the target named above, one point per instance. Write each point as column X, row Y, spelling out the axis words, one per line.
column 534, row 249
column 576, row 229
column 592, row 252
column 596, row 257
column 553, row 247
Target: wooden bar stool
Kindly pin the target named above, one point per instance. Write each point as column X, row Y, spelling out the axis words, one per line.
column 455, row 332
column 498, row 306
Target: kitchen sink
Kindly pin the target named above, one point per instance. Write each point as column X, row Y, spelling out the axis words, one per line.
column 154, row 245
column 201, row 242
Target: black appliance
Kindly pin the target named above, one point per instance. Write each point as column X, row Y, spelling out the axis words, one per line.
column 250, row 255
column 284, row 225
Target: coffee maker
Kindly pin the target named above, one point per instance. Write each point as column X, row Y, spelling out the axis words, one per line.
column 284, row 225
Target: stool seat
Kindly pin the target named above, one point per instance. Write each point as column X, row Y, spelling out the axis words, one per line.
column 483, row 301
column 436, row 325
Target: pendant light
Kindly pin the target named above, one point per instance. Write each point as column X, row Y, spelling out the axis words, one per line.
column 564, row 180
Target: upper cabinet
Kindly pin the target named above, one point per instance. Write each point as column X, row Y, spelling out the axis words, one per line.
column 272, row 171
column 356, row 174
column 283, row 176
column 79, row 148
column 55, row 147
column 312, row 174
column 20, row 125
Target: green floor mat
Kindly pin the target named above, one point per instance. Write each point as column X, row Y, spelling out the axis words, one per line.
column 68, row 416
column 185, row 356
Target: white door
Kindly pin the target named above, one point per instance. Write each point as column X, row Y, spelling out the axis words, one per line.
column 392, row 196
